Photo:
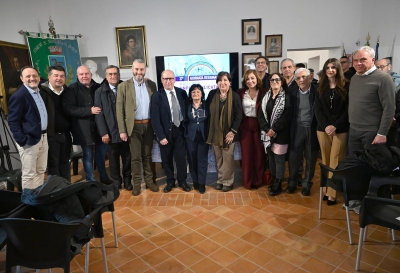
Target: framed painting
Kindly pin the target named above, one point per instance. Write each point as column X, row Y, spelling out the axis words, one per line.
column 251, row 31
column 13, row 57
column 273, row 67
column 273, row 45
column 131, row 45
column 249, row 61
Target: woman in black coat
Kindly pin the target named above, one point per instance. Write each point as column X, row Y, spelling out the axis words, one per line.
column 274, row 118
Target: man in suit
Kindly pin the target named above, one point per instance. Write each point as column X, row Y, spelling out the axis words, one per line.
column 106, row 122
column 167, row 117
column 133, row 116
column 27, row 118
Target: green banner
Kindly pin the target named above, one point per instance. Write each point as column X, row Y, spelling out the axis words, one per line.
column 46, row 52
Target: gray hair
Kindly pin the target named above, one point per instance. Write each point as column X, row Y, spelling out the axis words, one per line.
column 287, row 59
column 112, row 66
column 370, row 51
column 139, row 61
column 298, row 70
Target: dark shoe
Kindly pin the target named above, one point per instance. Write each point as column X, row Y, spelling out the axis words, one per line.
column 227, row 188
column 136, row 190
column 196, row 186
column 219, row 187
column 106, row 181
column 325, row 198
column 276, row 187
column 305, row 192
column 153, row 187
column 331, row 202
column 128, row 185
column 299, row 183
column 272, row 182
column 291, row 189
column 119, row 183
column 185, row 187
column 168, row 188
column 202, row 188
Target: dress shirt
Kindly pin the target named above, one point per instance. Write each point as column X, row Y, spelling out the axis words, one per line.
column 40, row 105
column 114, row 89
column 372, row 69
column 305, row 92
column 54, row 91
column 177, row 101
column 249, row 105
column 142, row 101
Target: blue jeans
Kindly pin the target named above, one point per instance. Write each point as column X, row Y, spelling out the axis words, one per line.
column 87, row 151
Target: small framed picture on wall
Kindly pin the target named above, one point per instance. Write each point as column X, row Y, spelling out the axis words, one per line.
column 273, row 45
column 273, row 67
column 251, row 31
column 249, row 61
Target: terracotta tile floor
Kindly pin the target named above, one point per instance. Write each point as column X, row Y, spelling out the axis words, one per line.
column 239, row 231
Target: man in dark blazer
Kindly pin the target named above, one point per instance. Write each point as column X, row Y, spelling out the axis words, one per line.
column 27, row 118
column 167, row 117
column 107, row 126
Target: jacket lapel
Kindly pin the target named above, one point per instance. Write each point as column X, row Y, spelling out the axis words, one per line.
column 32, row 101
column 164, row 98
column 133, row 93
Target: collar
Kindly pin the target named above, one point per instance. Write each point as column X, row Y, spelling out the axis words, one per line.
column 291, row 81
column 112, row 87
column 306, row 92
column 136, row 84
column 372, row 69
column 169, row 91
column 31, row 90
column 54, row 91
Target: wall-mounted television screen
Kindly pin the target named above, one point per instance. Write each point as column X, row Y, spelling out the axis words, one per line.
column 199, row 68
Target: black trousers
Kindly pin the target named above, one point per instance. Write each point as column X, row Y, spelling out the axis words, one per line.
column 58, row 155
column 198, row 158
column 115, row 152
column 360, row 140
column 175, row 149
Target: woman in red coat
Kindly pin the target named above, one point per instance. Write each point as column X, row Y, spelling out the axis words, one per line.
column 251, row 94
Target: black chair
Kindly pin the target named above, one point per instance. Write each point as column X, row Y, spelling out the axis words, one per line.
column 74, row 159
column 351, row 182
column 9, row 202
column 377, row 210
column 13, row 177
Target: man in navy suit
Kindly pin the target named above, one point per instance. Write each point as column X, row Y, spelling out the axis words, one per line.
column 167, row 116
column 27, row 118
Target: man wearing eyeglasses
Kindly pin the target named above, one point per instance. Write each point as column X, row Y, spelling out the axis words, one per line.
column 288, row 69
column 167, row 117
column 347, row 70
column 386, row 66
column 133, row 116
column 303, row 133
column 261, row 68
column 106, row 121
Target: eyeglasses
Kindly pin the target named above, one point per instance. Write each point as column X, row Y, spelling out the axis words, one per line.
column 168, row 79
column 257, row 63
column 275, row 80
column 381, row 67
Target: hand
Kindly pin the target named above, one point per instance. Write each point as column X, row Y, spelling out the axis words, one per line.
column 229, row 137
column 330, row 130
column 379, row 140
column 271, row 133
column 164, row 141
column 96, row 110
column 123, row 136
column 105, row 139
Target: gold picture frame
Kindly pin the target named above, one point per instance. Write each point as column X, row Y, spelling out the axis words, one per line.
column 13, row 57
column 131, row 45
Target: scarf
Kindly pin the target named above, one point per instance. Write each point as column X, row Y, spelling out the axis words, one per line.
column 276, row 114
column 220, row 122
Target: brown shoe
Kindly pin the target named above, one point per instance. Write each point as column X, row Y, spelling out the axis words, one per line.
column 153, row 187
column 136, row 190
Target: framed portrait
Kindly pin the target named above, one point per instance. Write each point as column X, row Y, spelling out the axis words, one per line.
column 273, row 67
column 12, row 58
column 273, row 45
column 131, row 45
column 97, row 66
column 251, row 31
column 248, row 61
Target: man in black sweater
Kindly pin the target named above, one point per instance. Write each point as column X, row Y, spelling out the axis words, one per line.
column 58, row 128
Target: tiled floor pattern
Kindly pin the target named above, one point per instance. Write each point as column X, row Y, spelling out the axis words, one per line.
column 239, row 231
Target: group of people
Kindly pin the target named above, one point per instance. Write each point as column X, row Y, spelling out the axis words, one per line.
column 282, row 116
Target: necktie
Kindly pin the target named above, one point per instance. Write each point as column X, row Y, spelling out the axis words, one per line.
column 175, row 110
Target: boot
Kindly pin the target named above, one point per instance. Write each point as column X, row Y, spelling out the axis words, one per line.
column 270, row 186
column 128, row 184
column 153, row 187
column 136, row 190
column 202, row 188
column 276, row 187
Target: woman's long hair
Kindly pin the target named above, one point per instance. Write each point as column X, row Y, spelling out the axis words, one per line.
column 339, row 78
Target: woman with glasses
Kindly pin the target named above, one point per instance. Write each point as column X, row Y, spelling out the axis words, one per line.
column 274, row 117
column 331, row 111
column 196, row 135
column 251, row 95
column 225, row 117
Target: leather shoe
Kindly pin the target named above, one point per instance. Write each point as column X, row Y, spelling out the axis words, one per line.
column 185, row 187
column 226, row 188
column 136, row 190
column 290, row 189
column 305, row 192
column 128, row 185
column 196, row 186
column 219, row 187
column 325, row 198
column 153, row 187
column 119, row 183
column 106, row 181
column 202, row 188
column 331, row 202
column 168, row 188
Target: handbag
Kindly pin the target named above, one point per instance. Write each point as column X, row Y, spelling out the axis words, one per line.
column 267, row 177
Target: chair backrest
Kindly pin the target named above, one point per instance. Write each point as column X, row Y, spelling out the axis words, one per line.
column 9, row 201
